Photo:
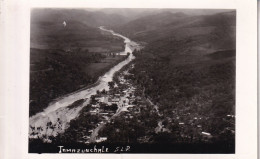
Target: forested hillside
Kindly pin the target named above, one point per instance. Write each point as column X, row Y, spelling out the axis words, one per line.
column 188, row 69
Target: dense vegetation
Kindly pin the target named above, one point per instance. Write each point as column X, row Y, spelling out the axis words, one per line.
column 190, row 75
column 185, row 93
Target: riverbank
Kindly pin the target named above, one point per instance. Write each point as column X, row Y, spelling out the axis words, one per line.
column 55, row 118
column 57, row 72
column 97, row 72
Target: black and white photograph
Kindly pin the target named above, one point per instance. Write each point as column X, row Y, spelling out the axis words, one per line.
column 132, row 80
column 139, row 79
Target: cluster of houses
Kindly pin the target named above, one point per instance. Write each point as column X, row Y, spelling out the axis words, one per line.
column 106, row 104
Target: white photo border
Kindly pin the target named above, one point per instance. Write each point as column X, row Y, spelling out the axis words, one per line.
column 15, row 83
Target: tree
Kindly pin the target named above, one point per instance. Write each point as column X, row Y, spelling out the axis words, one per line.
column 111, row 84
column 104, row 91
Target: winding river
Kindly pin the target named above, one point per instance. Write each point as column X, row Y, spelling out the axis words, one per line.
column 58, row 112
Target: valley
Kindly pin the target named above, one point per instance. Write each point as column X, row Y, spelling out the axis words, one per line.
column 170, row 89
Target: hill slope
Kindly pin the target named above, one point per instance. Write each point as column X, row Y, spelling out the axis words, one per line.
column 187, row 68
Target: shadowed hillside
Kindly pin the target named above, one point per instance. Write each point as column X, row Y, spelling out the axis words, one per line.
column 171, row 26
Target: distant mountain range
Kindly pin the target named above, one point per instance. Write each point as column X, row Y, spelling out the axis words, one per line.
column 143, row 25
column 208, row 33
column 92, row 19
column 109, row 17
